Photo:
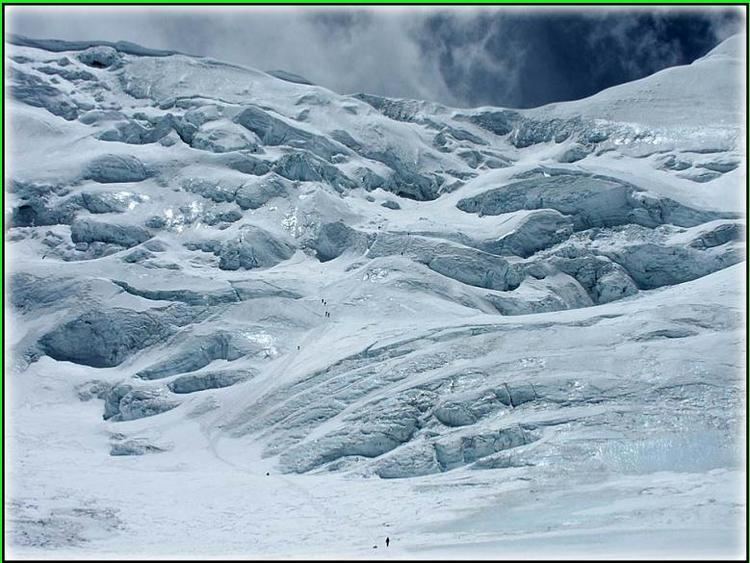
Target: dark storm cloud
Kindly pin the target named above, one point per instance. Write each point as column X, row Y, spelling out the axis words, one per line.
column 521, row 59
column 517, row 57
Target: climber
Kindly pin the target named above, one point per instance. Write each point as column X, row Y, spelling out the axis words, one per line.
column 387, row 541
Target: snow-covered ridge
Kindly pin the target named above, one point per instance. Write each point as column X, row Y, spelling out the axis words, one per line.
column 241, row 262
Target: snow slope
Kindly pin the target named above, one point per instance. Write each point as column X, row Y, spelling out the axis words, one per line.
column 267, row 320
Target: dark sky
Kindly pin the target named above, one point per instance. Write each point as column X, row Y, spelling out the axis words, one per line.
column 460, row 56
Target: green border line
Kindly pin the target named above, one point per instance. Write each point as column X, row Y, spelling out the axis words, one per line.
column 375, row 3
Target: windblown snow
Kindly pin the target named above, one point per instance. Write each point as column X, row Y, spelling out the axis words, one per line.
column 250, row 317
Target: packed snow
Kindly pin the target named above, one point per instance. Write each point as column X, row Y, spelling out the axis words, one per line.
column 249, row 317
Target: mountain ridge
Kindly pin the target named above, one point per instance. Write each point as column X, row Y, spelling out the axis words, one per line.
column 219, row 274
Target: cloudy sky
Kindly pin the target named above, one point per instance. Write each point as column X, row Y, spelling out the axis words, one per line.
column 460, row 56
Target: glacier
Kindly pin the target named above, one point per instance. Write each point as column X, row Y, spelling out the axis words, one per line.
column 251, row 317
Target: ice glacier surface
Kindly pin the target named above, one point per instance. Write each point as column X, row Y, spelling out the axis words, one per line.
column 249, row 311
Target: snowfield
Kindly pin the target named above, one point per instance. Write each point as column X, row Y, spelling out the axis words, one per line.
column 248, row 317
